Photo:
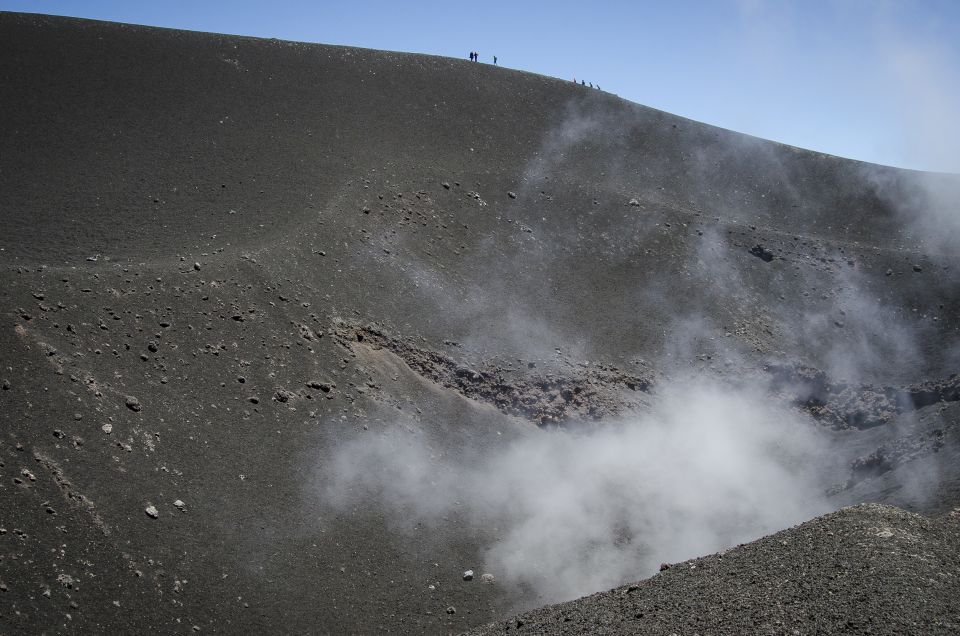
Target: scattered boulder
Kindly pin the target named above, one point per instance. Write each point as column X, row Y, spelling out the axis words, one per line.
column 179, row 505
column 635, row 203
column 307, row 333
column 762, row 253
column 321, row 386
column 283, row 395
column 917, row 268
column 468, row 575
column 512, row 195
column 152, row 511
column 487, row 579
column 133, row 404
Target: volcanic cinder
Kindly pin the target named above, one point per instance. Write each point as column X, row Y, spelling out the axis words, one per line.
column 303, row 338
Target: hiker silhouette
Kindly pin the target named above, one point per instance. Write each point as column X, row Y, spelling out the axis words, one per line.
column 494, row 59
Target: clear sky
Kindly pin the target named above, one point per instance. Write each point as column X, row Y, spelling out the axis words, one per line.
column 873, row 80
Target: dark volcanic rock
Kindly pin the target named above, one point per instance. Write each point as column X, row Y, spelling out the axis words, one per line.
column 543, row 399
column 762, row 253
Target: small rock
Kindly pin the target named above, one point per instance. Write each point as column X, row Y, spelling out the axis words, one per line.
column 133, row 404
column 889, row 272
column 284, row 395
column 451, row 610
column 179, row 505
column 487, row 579
column 322, row 386
column 664, row 566
column 468, row 575
column 512, row 195
column 152, row 512
column 107, row 428
column 917, row 268
column 762, row 253
column 6, row 385
column 635, row 203
column 196, row 267
column 445, row 185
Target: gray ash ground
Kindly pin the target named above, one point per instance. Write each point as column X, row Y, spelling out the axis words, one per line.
column 197, row 228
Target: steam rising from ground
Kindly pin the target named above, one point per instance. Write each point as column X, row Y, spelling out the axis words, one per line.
column 573, row 513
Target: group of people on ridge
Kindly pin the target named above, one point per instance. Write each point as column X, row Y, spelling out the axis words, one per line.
column 475, row 57
column 582, row 83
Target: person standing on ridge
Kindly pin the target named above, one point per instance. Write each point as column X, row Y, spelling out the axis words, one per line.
column 494, row 60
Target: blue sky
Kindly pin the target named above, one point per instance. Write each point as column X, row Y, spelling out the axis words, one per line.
column 872, row 80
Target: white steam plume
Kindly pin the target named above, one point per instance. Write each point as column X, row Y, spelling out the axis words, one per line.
column 573, row 513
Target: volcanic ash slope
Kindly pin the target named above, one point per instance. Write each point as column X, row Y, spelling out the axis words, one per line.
column 295, row 336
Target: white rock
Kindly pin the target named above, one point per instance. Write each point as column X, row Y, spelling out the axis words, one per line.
column 487, row 578
column 107, row 428
column 151, row 512
column 468, row 575
column 179, row 504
